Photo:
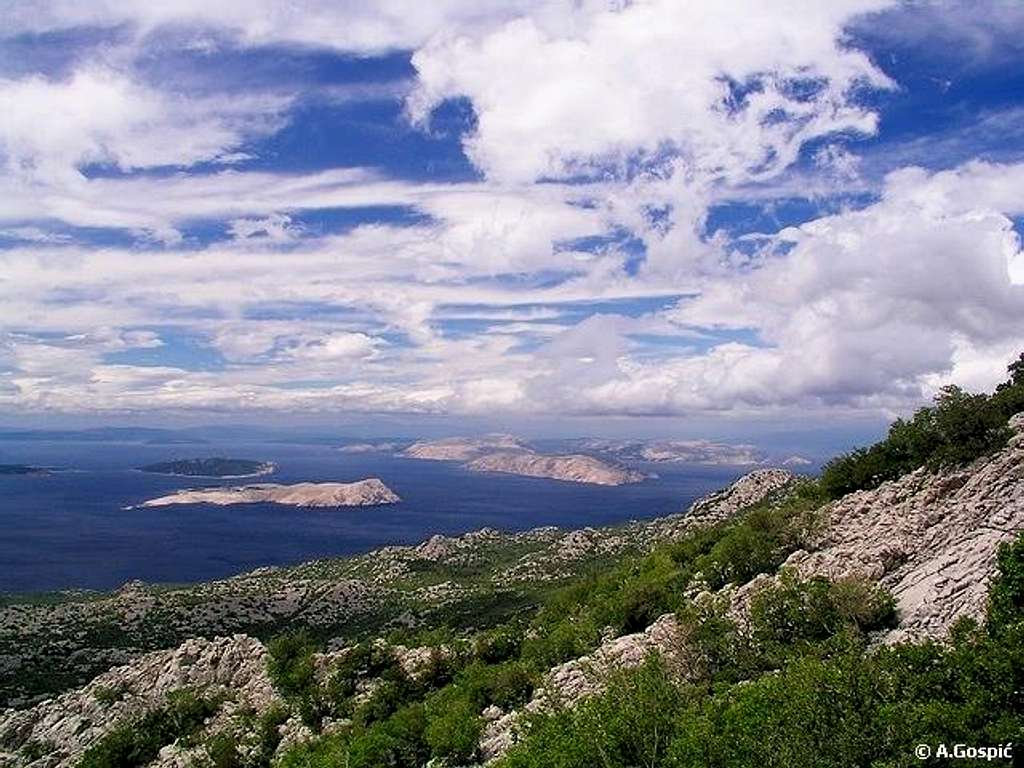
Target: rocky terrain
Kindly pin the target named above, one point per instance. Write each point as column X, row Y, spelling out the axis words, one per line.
column 930, row 538
column 573, row 468
column 362, row 493
column 229, row 668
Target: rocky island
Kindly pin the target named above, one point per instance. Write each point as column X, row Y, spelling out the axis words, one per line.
column 211, row 467
column 358, row 494
column 463, row 448
column 681, row 451
column 509, row 455
column 573, row 468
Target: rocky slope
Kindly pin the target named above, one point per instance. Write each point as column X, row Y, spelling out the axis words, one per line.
column 930, row 538
column 61, row 729
column 362, row 493
column 573, row 468
column 235, row 667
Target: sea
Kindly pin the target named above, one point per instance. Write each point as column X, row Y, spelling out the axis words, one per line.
column 70, row 529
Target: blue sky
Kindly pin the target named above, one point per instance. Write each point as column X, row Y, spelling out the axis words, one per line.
column 702, row 218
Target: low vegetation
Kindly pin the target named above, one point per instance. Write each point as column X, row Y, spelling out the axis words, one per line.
column 799, row 682
column 803, row 687
column 397, row 720
column 138, row 741
column 958, row 428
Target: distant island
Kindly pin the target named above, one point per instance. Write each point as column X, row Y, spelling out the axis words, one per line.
column 573, row 468
column 356, row 448
column 361, row 493
column 215, row 467
column 463, row 448
column 509, row 455
column 680, row 451
column 22, row 469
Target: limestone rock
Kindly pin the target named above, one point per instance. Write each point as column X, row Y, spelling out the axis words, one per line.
column 234, row 667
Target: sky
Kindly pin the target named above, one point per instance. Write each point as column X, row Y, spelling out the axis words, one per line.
column 653, row 216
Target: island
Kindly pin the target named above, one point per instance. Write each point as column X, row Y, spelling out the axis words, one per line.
column 573, row 468
column 22, row 469
column 357, row 448
column 673, row 451
column 510, row 455
column 370, row 491
column 211, row 467
column 463, row 448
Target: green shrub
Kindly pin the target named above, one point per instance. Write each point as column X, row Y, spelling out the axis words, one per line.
column 222, row 751
column 811, row 611
column 500, row 644
column 758, row 543
column 1006, row 595
column 827, row 705
column 958, row 428
column 630, row 725
column 290, row 663
column 106, row 695
column 137, row 742
column 453, row 725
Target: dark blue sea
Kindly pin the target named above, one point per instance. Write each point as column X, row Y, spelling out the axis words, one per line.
column 69, row 529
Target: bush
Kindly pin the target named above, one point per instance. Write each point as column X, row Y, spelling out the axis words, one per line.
column 801, row 612
column 137, row 742
column 629, row 725
column 846, row 706
column 1006, row 595
column 958, row 428
column 290, row 663
column 453, row 725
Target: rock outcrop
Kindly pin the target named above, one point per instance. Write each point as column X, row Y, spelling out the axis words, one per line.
column 362, row 493
column 65, row 727
column 573, row 468
column 930, row 538
column 745, row 492
column 568, row 683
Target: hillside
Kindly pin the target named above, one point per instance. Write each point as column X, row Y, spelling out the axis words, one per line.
column 850, row 626
column 484, row 650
